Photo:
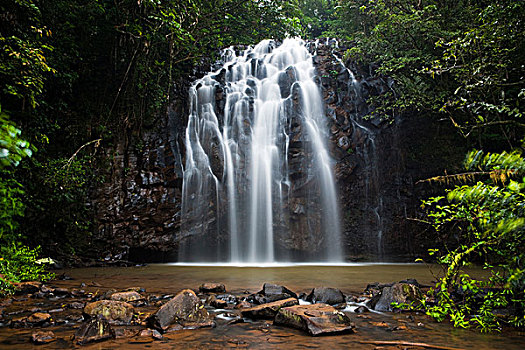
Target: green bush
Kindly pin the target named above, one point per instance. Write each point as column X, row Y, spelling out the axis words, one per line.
column 487, row 217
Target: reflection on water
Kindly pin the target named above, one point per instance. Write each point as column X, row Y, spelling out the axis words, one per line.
column 166, row 278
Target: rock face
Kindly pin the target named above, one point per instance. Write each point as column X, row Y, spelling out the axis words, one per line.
column 138, row 208
column 331, row 296
column 268, row 310
column 401, row 293
column 115, row 312
column 316, row 319
column 94, row 331
column 185, row 308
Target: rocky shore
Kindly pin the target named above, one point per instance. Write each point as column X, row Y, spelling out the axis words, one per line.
column 89, row 313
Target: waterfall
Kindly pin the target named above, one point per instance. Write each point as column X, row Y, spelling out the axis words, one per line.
column 258, row 180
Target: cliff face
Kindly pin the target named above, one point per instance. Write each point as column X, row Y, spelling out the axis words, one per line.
column 376, row 165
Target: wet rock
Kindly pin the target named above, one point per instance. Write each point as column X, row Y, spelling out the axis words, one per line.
column 153, row 333
column 270, row 293
column 76, row 305
column 93, row 331
column 216, row 303
column 269, row 310
column 126, row 296
column 361, row 309
column 212, row 288
column 316, row 319
column 325, row 295
column 43, row 337
column 37, row 319
column 398, row 293
column 115, row 312
column 185, row 308
column 229, row 298
column 27, row 287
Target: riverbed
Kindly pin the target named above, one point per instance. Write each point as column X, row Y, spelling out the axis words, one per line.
column 351, row 279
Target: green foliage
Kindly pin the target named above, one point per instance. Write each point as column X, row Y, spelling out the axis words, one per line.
column 461, row 59
column 488, row 218
column 12, row 147
column 19, row 263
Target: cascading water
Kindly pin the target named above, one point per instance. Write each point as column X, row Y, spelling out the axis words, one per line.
column 258, row 180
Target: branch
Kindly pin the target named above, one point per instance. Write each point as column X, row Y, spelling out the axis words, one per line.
column 494, row 174
column 97, row 141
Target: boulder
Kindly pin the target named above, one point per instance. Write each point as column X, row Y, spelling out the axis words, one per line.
column 270, row 293
column 126, row 296
column 185, row 308
column 93, row 331
column 331, row 296
column 212, row 288
column 43, row 337
column 399, row 293
column 316, row 319
column 115, row 312
column 268, row 310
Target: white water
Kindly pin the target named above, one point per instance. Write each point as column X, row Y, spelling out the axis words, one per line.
column 237, row 186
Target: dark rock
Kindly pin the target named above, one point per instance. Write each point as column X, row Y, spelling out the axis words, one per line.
column 316, row 319
column 270, row 293
column 93, row 331
column 216, row 303
column 43, row 337
column 326, row 295
column 153, row 333
column 126, row 296
column 269, row 310
column 185, row 308
column 361, row 309
column 398, row 293
column 115, row 312
column 76, row 305
column 38, row 318
column 212, row 288
column 229, row 298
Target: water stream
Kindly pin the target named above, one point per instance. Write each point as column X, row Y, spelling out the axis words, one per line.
column 258, row 173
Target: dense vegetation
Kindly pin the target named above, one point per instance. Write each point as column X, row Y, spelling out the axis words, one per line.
column 77, row 74
column 460, row 61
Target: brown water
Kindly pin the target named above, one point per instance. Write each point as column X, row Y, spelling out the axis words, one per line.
column 262, row 334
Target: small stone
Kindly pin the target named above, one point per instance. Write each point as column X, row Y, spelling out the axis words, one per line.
column 212, row 288
column 75, row 305
column 155, row 334
column 94, row 331
column 216, row 303
column 43, row 337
